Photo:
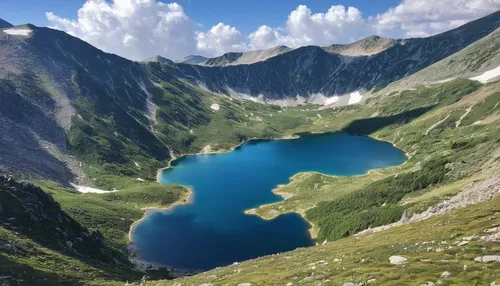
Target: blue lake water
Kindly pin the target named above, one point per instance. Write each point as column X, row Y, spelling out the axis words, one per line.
column 212, row 229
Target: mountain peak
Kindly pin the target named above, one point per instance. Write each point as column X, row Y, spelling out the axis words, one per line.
column 5, row 24
column 365, row 47
column 192, row 60
column 158, row 59
column 239, row 58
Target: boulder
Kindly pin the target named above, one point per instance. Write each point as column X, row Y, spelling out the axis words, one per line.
column 397, row 260
column 445, row 275
column 488, row 258
column 69, row 244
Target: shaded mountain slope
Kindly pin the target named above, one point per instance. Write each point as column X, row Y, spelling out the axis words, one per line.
column 4, row 24
column 31, row 212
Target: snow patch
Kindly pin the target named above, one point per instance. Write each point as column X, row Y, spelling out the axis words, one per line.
column 486, row 76
column 215, row 106
column 331, row 100
column 354, row 98
column 85, row 190
column 18, row 32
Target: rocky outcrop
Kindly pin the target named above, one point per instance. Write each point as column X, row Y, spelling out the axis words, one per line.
column 397, row 260
column 30, row 211
column 477, row 192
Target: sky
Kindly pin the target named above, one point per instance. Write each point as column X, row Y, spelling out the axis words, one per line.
column 139, row 29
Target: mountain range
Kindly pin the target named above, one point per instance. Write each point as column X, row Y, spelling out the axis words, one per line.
column 331, row 71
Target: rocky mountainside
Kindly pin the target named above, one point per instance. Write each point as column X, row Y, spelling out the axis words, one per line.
column 4, row 24
column 311, row 70
column 479, row 57
column 30, row 211
column 58, row 93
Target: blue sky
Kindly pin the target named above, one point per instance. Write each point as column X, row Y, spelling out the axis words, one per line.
column 139, row 29
column 246, row 15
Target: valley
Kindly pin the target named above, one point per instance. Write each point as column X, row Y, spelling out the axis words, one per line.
column 71, row 114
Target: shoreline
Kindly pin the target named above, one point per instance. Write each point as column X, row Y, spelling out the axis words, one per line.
column 142, row 265
column 253, row 211
column 313, row 231
column 169, row 164
column 185, row 200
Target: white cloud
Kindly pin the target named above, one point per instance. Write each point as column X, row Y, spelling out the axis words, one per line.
column 338, row 25
column 220, row 39
column 138, row 29
column 135, row 29
column 411, row 18
column 264, row 37
column 418, row 18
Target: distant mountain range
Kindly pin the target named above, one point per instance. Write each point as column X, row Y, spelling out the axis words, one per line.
column 368, row 46
column 331, row 71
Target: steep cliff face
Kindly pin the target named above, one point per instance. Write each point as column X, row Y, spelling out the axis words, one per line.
column 30, row 211
column 310, row 70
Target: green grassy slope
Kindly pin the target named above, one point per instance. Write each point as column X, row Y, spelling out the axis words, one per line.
column 112, row 214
